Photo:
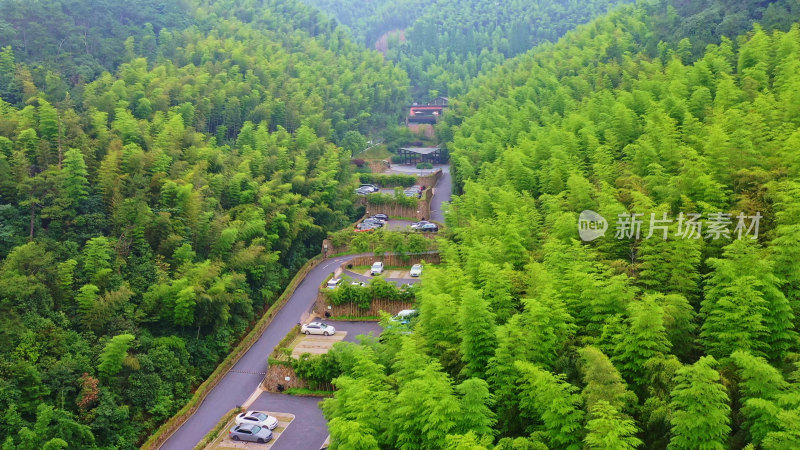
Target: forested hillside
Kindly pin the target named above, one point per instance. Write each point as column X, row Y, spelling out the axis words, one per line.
column 529, row 338
column 81, row 39
column 166, row 167
column 149, row 216
column 447, row 43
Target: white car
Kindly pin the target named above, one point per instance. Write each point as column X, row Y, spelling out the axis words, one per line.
column 358, row 283
column 259, row 418
column 333, row 283
column 318, row 328
column 405, row 316
column 377, row 268
column 416, row 270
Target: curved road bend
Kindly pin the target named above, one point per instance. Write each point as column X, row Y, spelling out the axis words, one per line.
column 241, row 381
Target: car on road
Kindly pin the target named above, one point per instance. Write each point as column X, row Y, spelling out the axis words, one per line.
column 250, row 433
column 428, row 227
column 358, row 283
column 318, row 328
column 259, row 418
column 376, row 269
column 416, row 270
column 333, row 283
column 383, row 217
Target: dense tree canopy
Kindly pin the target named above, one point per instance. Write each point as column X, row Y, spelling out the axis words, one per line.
column 162, row 177
column 444, row 44
column 151, row 208
column 632, row 340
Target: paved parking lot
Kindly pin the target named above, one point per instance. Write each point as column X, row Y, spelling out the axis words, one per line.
column 224, row 442
column 366, row 277
column 309, row 428
column 315, row 344
column 391, row 274
column 398, row 225
column 352, row 330
column 411, row 169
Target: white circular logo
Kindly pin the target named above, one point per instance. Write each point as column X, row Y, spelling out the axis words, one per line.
column 591, row 225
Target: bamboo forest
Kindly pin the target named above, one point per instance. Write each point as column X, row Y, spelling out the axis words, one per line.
column 515, row 225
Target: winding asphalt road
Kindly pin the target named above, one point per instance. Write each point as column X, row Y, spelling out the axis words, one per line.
column 242, row 381
column 441, row 194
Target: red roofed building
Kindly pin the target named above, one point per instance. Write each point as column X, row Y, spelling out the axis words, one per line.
column 424, row 114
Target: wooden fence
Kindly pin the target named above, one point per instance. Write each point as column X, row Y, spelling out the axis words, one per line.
column 422, row 210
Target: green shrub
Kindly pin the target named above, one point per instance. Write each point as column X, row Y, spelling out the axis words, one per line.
column 398, row 159
column 341, row 238
column 317, row 369
column 363, row 170
column 382, row 241
column 362, row 296
column 400, row 199
column 424, row 165
column 348, row 293
column 385, row 180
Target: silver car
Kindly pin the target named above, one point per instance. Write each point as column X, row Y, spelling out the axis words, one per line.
column 416, row 270
column 250, row 433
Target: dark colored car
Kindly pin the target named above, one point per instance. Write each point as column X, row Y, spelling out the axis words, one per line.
column 383, row 217
column 366, row 227
column 418, row 225
column 376, row 222
column 428, row 227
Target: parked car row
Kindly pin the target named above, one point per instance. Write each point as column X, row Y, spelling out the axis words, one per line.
column 253, row 426
column 414, row 191
column 372, row 223
column 425, row 226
